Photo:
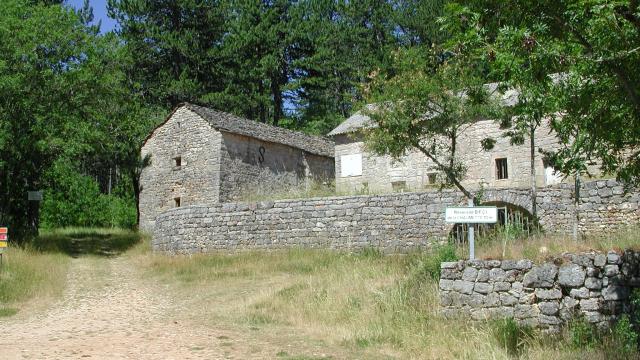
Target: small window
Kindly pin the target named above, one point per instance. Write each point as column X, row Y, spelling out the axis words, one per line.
column 502, row 171
column 399, row 186
column 176, row 202
column 432, row 179
column 177, row 161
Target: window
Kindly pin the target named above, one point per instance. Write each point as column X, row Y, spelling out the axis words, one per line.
column 432, row 178
column 502, row 171
column 177, row 161
column 399, row 186
column 176, row 202
column 351, row 165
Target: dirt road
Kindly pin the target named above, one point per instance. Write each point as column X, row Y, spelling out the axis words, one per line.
column 107, row 312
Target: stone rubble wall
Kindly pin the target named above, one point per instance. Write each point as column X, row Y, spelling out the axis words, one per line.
column 594, row 285
column 393, row 222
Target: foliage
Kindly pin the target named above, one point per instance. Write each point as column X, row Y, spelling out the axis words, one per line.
column 427, row 265
column 582, row 333
column 625, row 335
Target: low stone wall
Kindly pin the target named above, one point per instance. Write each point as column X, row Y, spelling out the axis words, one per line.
column 392, row 223
column 594, row 285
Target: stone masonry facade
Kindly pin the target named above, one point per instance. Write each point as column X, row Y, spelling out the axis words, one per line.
column 415, row 171
column 392, row 222
column 594, row 285
column 202, row 156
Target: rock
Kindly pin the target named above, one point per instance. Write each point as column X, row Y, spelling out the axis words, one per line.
column 600, row 260
column 524, row 264
column 582, row 260
column 549, row 320
column 542, row 276
column 552, row 294
column 497, row 274
column 593, row 272
column 507, row 299
column 476, row 300
column 501, row 286
column 449, row 265
column 613, row 292
column 483, row 275
column 469, row 274
column 571, row 275
column 549, row 307
column 525, row 311
column 446, row 285
column 493, row 299
column 509, row 264
column 445, row 299
column 590, row 304
column 592, row 316
column 593, row 283
column 581, row 293
column 611, row 270
column 613, row 257
column 452, row 274
column 483, row 288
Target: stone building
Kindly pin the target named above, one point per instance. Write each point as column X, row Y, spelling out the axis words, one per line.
column 505, row 166
column 203, row 156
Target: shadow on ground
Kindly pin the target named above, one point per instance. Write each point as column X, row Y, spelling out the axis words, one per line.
column 78, row 243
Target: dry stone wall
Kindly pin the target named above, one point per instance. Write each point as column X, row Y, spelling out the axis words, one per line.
column 594, row 285
column 392, row 223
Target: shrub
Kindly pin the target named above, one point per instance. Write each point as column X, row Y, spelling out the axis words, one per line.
column 582, row 333
column 625, row 336
column 428, row 264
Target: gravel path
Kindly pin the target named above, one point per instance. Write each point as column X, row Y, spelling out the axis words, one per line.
column 108, row 313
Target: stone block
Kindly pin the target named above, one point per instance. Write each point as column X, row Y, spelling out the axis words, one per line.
column 452, row 274
column 600, row 260
column 483, row 288
column 463, row 287
column 509, row 264
column 611, row 270
column 492, row 300
column 590, row 304
column 483, row 275
column 449, row 265
column 549, row 320
column 549, row 307
column 571, row 275
column 469, row 274
column 613, row 257
column 446, row 284
column 593, row 283
column 581, row 293
column 501, row 286
column 497, row 274
column 508, row 299
column 525, row 311
column 542, row 276
column 551, row 294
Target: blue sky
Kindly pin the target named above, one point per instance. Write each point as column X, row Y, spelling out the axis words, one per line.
column 99, row 12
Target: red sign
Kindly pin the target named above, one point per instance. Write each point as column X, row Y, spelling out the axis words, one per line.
column 3, row 237
column 3, row 230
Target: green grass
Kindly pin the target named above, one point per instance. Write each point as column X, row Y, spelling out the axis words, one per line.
column 86, row 241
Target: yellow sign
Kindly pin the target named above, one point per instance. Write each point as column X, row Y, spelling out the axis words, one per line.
column 3, row 244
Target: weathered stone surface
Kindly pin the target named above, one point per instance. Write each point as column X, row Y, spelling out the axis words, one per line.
column 541, row 276
column 502, row 286
column 452, row 274
column 483, row 275
column 593, row 283
column 611, row 270
column 600, row 260
column 449, row 265
column 470, row 274
column 590, row 304
column 497, row 274
column 463, row 287
column 571, row 275
column 581, row 293
column 446, row 285
column 551, row 294
column 549, row 320
column 526, row 311
column 508, row 299
column 549, row 307
column 492, row 300
column 483, row 288
column 613, row 257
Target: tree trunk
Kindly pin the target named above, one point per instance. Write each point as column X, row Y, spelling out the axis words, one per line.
column 534, row 194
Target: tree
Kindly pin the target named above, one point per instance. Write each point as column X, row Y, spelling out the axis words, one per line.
column 423, row 106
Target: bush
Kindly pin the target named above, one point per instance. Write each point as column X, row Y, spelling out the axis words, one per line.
column 582, row 333
column 428, row 265
column 510, row 335
column 625, row 336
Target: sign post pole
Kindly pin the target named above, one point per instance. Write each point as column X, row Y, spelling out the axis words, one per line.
column 471, row 215
column 472, row 244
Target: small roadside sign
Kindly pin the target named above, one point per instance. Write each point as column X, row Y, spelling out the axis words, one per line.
column 3, row 237
column 3, row 241
column 3, row 230
column 472, row 215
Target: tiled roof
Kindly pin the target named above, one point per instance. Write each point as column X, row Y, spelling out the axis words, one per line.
column 236, row 125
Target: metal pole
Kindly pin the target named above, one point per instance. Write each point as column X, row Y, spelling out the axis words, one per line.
column 472, row 245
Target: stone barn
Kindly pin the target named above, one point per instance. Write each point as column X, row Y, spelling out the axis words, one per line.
column 203, row 156
column 505, row 166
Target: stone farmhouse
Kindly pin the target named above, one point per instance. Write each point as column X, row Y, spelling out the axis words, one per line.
column 505, row 166
column 203, row 156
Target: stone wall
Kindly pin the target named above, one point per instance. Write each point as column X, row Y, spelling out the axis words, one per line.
column 379, row 172
column 196, row 181
column 594, row 285
column 252, row 166
column 392, row 222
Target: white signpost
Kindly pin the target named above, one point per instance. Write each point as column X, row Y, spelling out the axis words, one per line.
column 471, row 215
